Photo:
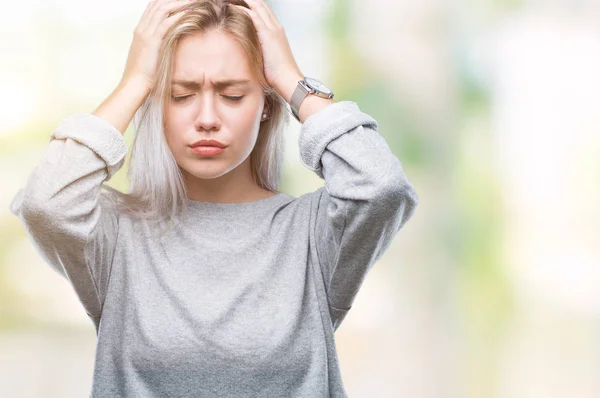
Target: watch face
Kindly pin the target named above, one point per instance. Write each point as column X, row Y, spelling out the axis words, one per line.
column 317, row 85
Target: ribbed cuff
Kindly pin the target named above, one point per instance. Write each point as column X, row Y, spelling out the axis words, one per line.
column 325, row 126
column 98, row 135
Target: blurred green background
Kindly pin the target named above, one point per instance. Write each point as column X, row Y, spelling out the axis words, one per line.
column 493, row 108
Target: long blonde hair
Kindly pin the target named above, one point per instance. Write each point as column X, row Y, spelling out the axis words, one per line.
column 157, row 188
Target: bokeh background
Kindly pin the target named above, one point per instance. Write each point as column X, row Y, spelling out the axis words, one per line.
column 491, row 290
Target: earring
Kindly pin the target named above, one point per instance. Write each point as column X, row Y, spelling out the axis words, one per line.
column 265, row 116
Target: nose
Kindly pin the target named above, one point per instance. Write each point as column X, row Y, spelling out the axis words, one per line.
column 207, row 116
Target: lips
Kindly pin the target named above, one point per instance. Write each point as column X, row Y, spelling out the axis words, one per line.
column 207, row 150
column 213, row 143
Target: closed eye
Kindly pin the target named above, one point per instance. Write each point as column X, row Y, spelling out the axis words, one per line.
column 232, row 98
column 177, row 99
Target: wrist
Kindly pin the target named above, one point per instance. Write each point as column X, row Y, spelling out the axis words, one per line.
column 310, row 105
column 136, row 83
column 288, row 85
column 122, row 104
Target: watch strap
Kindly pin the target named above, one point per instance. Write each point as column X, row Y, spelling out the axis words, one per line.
column 298, row 96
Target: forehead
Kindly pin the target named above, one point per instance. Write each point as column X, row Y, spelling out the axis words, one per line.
column 211, row 58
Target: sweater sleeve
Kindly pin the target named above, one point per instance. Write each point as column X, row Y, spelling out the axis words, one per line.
column 367, row 198
column 63, row 211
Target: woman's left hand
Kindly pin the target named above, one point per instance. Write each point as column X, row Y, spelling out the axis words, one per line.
column 280, row 68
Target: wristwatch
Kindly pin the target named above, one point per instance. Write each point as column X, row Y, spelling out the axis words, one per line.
column 306, row 86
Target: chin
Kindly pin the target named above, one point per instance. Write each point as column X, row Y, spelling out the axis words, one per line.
column 205, row 174
column 207, row 169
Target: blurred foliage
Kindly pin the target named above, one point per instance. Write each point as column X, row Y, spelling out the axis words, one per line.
column 471, row 231
column 355, row 81
column 484, row 290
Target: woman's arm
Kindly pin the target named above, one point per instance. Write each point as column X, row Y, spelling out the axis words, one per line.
column 367, row 197
column 61, row 206
column 120, row 106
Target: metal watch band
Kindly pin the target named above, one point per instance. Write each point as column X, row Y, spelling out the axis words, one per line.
column 303, row 89
column 300, row 93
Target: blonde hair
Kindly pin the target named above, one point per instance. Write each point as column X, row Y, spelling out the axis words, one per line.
column 157, row 188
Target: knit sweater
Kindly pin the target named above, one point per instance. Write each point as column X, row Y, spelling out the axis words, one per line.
column 236, row 300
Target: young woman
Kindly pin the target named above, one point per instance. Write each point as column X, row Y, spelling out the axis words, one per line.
column 205, row 280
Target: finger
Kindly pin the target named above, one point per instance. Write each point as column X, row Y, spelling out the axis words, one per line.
column 258, row 23
column 163, row 28
column 162, row 11
column 266, row 12
column 143, row 20
column 146, row 16
column 260, row 14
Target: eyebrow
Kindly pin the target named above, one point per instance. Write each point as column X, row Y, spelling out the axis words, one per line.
column 218, row 84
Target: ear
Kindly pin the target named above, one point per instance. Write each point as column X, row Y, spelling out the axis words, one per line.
column 265, row 110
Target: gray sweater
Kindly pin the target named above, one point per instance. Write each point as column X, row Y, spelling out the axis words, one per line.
column 241, row 299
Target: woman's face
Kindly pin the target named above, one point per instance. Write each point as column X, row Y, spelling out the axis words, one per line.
column 210, row 108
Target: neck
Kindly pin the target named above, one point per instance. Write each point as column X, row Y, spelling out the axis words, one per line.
column 236, row 186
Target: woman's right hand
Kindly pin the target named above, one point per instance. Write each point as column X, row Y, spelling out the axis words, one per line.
column 142, row 60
